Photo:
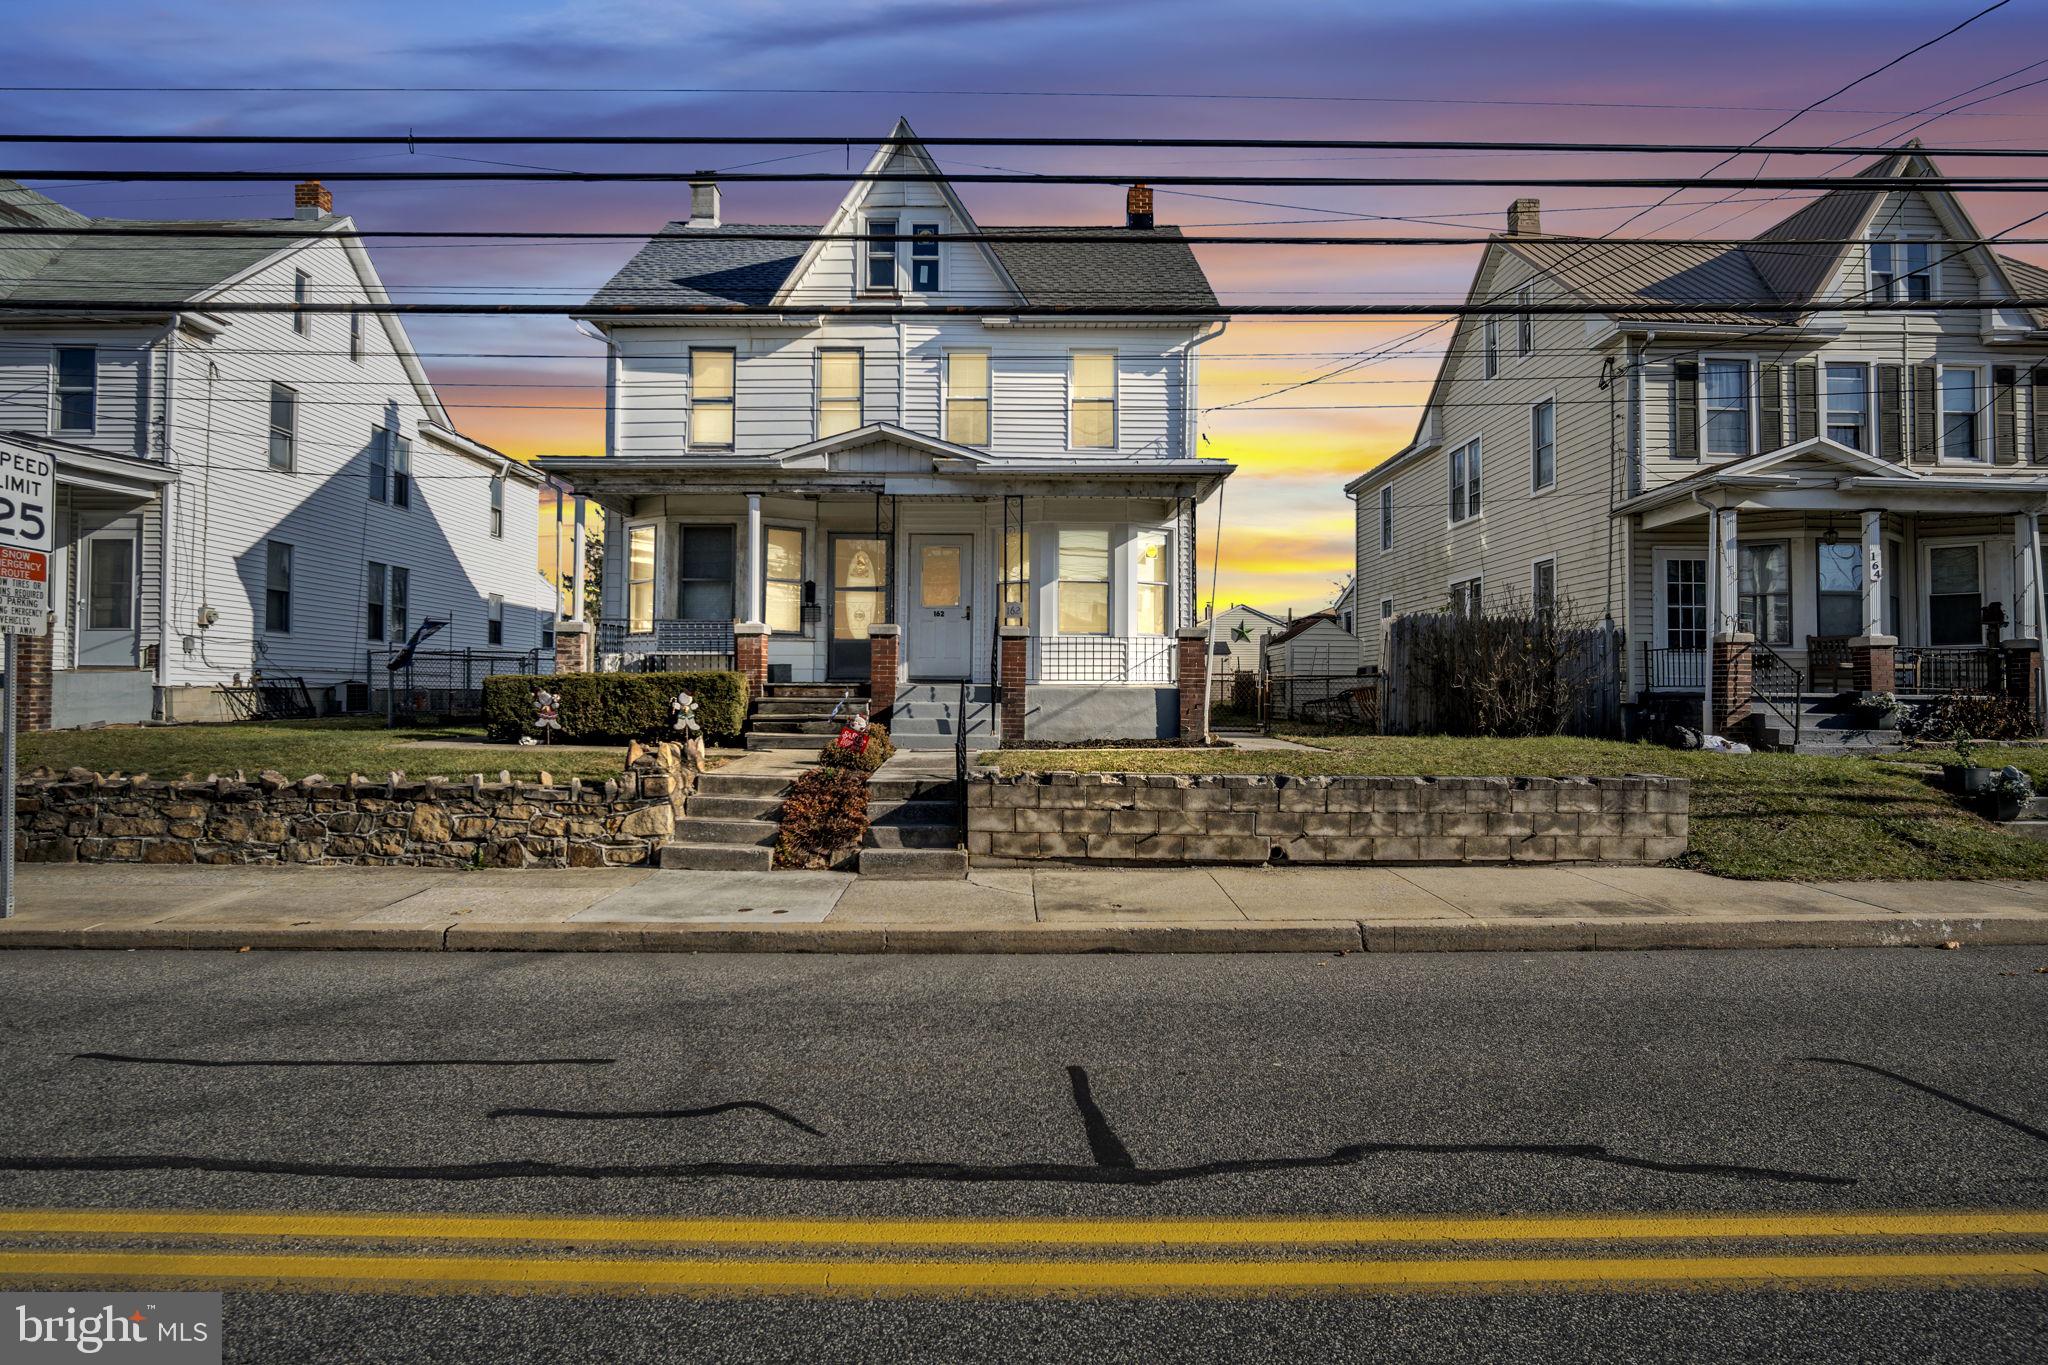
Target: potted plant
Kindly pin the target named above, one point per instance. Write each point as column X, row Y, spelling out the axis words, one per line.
column 1963, row 775
column 2009, row 794
column 1880, row 711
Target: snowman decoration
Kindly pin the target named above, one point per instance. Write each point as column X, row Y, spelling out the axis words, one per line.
column 684, row 709
column 547, row 714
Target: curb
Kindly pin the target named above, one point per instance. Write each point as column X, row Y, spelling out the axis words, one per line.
column 1324, row 936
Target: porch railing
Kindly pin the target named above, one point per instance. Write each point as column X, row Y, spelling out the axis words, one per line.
column 1675, row 670
column 1136, row 659
column 1947, row 668
column 664, row 647
column 1776, row 685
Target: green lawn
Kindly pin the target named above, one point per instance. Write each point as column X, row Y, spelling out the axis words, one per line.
column 336, row 747
column 1754, row 816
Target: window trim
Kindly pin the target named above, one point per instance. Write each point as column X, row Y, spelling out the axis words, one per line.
column 1134, row 536
column 860, row 389
column 1473, row 475
column 1895, row 244
column 375, row 602
column 730, row 401
column 1538, row 488
column 935, row 256
column 1112, row 547
column 1489, row 346
column 291, row 435
column 401, row 470
column 1116, row 435
column 1870, row 419
column 1534, row 565
column 1749, row 397
column 1791, row 589
column 873, row 252
column 1022, row 584
column 355, row 333
column 1980, row 404
column 398, row 605
column 270, row 563
column 1476, row 583
column 1386, row 609
column 302, row 291
column 803, row 561
column 57, row 392
column 987, row 399
column 1661, row 558
column 1925, row 596
column 1525, row 324
column 1386, row 517
column 380, row 464
column 652, row 580
column 494, row 619
column 678, row 531
column 497, row 515
column 1820, row 546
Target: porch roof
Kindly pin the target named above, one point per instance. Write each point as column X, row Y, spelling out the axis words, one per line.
column 883, row 458
column 101, row 471
column 1818, row 474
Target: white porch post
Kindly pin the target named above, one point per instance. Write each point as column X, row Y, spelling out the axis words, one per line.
column 576, row 583
column 1873, row 574
column 2026, row 581
column 1726, row 594
column 754, row 607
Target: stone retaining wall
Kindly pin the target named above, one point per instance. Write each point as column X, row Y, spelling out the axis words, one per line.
column 433, row 822
column 1228, row 818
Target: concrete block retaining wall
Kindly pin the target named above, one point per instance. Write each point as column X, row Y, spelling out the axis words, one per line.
column 1229, row 818
column 86, row 817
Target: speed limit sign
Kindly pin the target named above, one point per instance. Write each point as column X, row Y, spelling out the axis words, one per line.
column 28, row 495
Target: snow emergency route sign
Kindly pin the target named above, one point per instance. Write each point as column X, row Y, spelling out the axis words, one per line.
column 28, row 496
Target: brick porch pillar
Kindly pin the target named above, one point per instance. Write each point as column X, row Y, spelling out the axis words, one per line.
column 1193, row 661
column 1728, row 708
column 1012, row 667
column 2022, row 675
column 32, row 696
column 750, row 657
column 1873, row 663
column 572, row 646
column 885, row 646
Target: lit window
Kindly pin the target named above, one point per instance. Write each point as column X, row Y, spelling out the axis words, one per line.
column 783, row 579
column 1465, row 482
column 1543, row 444
column 711, row 399
column 1848, row 404
column 839, row 385
column 1149, row 587
column 640, row 579
column 924, row 258
column 284, row 424
column 78, row 386
column 1725, row 401
column 967, row 397
column 1091, row 402
column 1083, row 588
column 1016, row 578
column 882, row 255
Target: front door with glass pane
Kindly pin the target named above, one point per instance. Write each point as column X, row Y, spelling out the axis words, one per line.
column 860, row 598
column 1682, row 603
column 106, row 598
column 941, row 624
column 1955, row 595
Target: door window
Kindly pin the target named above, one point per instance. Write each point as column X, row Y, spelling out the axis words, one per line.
column 1841, row 590
column 1955, row 596
column 860, row 585
column 1149, row 588
column 938, row 576
column 1685, row 604
column 783, row 585
column 111, row 580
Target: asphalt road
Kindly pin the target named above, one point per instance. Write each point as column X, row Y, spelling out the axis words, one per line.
column 1104, row 1088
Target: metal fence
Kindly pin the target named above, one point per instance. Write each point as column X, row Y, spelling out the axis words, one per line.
column 1104, row 659
column 1949, row 669
column 1674, row 670
column 665, row 647
column 445, row 682
column 1351, row 701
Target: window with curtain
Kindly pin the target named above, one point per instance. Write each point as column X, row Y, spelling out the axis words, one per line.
column 1763, row 588
column 373, row 609
column 704, row 565
column 277, row 587
column 1091, row 401
column 1016, row 578
column 1083, row 587
column 284, row 426
column 782, row 592
column 78, row 386
column 1840, row 584
column 711, row 398
column 967, row 398
column 1543, row 444
column 640, row 579
column 1149, row 585
column 1848, row 411
column 1724, row 403
column 839, row 382
column 1960, row 422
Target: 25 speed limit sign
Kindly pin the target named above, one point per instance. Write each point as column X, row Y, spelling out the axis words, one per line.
column 28, row 497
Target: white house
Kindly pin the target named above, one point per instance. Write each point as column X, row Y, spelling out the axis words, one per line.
column 931, row 472
column 1239, row 633
column 274, row 494
column 1831, row 501
column 1312, row 645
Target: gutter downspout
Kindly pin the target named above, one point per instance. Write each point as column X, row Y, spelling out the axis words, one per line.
column 1713, row 608
column 167, row 503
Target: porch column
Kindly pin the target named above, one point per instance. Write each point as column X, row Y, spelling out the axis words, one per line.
column 2026, row 581
column 1013, row 665
column 577, row 585
column 572, row 647
column 750, row 657
column 884, row 646
column 1192, row 644
column 30, row 693
column 1872, row 654
column 754, row 609
column 1728, row 660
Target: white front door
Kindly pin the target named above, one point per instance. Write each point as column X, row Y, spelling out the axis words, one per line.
column 941, row 617
column 107, row 560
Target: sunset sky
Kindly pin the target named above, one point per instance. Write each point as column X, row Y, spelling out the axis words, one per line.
column 1646, row 71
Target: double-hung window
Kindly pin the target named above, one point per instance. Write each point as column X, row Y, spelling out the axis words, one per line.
column 1960, row 421
column 881, row 271
column 1543, row 587
column 1900, row 270
column 498, row 508
column 711, row 398
column 401, row 471
column 494, row 621
column 1465, row 482
column 967, row 395
column 1466, row 599
column 1848, row 413
column 1725, row 404
column 380, row 465
column 1386, row 609
column 1149, row 586
column 373, row 603
column 1490, row 330
column 277, row 587
column 284, row 426
column 399, row 610
column 1763, row 587
column 1543, row 445
column 355, row 333
column 640, row 579
column 1091, row 401
column 1083, row 587
column 1525, row 324
column 1386, row 516
column 924, row 258
column 1016, row 578
column 782, row 579
column 302, row 286
column 78, row 388
column 839, row 386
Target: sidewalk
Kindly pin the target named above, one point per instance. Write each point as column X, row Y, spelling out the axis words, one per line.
column 1054, row 909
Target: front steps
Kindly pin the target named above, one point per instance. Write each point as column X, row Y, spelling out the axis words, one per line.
column 928, row 716
column 729, row 823
column 1827, row 726
column 800, row 715
column 914, row 821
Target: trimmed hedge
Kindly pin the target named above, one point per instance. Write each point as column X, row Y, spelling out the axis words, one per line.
column 611, row 708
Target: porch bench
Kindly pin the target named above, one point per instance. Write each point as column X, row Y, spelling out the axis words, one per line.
column 1829, row 666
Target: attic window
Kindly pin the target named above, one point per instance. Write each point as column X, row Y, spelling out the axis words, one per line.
column 882, row 256
column 1899, row 270
column 924, row 258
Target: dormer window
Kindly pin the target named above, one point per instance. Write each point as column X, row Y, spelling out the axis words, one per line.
column 881, row 276
column 924, row 258
column 1899, row 270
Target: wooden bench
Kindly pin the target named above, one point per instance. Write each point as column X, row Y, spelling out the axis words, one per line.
column 1829, row 667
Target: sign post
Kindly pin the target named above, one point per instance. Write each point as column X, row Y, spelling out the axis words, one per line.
column 28, row 498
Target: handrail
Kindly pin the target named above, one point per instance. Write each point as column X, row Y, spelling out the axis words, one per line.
column 1767, row 663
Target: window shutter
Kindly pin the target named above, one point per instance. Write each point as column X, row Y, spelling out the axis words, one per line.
column 2005, row 433
column 1805, row 402
column 1891, row 411
column 1770, row 415
column 2038, row 411
column 1685, row 410
column 1923, row 451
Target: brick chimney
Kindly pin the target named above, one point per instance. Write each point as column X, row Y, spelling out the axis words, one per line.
column 310, row 199
column 1138, row 208
column 1525, row 218
column 703, row 203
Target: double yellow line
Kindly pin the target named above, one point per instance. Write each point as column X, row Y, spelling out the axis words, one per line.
column 1183, row 1252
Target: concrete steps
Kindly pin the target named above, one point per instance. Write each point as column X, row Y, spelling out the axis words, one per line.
column 929, row 716
column 729, row 824
column 914, row 821
column 1827, row 726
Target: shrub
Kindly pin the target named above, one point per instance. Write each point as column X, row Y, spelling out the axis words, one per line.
column 825, row 813
column 877, row 752
column 611, row 708
column 1513, row 673
column 1976, row 715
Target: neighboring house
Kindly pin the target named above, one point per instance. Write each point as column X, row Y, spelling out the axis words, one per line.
column 1311, row 645
column 948, row 469
column 243, row 494
column 1238, row 637
column 1875, row 476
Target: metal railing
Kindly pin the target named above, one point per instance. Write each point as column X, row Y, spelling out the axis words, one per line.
column 1775, row 685
column 445, row 682
column 1113, row 659
column 283, row 698
column 1947, row 668
column 664, row 647
column 1354, row 701
column 1674, row 670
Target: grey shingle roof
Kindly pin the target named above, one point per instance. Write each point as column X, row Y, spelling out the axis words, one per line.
column 69, row 262
column 685, row 266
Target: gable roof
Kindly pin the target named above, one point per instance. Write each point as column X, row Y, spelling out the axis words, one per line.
column 1304, row 623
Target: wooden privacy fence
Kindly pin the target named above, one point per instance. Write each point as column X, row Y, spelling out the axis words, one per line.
column 1502, row 675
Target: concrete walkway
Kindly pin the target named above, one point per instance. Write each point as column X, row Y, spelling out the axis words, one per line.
column 1052, row 909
